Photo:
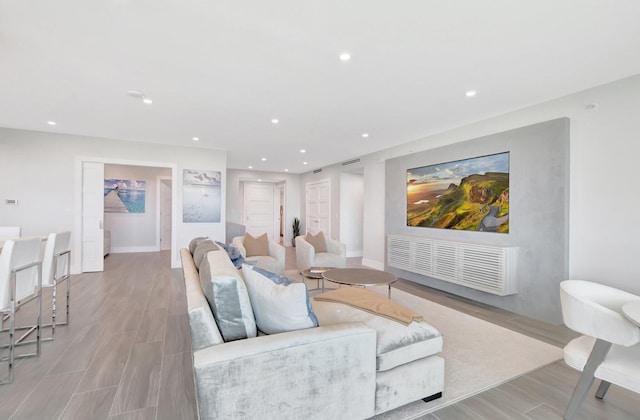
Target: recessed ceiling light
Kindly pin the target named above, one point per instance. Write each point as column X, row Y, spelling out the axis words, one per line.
column 263, row 159
column 259, row 180
column 286, row 170
column 345, row 56
column 51, row 122
column 365, row 135
column 303, row 151
column 304, row 163
column 275, row 121
column 250, row 167
column 470, row 93
column 196, row 139
column 147, row 101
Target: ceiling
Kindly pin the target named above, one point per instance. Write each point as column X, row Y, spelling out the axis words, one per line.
column 222, row 70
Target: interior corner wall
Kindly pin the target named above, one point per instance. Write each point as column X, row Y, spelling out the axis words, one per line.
column 538, row 213
column 351, row 212
column 135, row 232
column 43, row 170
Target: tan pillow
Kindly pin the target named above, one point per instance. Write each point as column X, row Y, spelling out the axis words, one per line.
column 256, row 246
column 317, row 241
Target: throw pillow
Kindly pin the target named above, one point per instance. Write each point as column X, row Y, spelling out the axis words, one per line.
column 228, row 298
column 256, row 246
column 202, row 249
column 279, row 304
column 317, row 241
column 234, row 254
column 194, row 243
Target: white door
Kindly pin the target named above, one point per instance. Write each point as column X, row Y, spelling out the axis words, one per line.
column 259, row 215
column 165, row 214
column 92, row 216
column 318, row 205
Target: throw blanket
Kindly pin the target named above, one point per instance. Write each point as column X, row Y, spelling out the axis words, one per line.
column 371, row 302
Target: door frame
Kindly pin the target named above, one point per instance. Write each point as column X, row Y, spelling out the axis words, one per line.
column 159, row 180
column 76, row 264
column 326, row 181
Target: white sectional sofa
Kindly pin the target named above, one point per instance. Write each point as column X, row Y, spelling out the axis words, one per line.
column 353, row 366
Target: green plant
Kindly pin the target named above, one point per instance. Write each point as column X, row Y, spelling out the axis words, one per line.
column 296, row 230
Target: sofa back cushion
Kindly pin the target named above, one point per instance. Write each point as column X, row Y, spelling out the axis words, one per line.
column 234, row 254
column 204, row 330
column 227, row 296
column 205, row 246
column 256, row 246
column 278, row 303
column 317, row 241
column 194, row 243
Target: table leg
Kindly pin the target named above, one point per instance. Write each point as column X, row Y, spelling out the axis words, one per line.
column 389, row 291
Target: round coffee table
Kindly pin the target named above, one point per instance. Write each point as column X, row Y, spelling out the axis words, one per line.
column 315, row 273
column 360, row 277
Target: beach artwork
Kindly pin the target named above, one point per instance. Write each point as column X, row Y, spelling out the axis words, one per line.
column 124, row 196
column 201, row 196
column 470, row 194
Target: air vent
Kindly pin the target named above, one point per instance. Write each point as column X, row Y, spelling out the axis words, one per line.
column 350, row 162
column 317, row 171
column 491, row 269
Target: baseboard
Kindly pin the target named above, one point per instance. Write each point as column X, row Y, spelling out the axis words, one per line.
column 373, row 264
column 128, row 249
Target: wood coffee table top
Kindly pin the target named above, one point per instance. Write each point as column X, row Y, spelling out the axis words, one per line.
column 360, row 277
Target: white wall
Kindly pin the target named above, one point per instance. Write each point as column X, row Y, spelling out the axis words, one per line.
column 604, row 150
column 42, row 171
column 351, row 212
column 235, row 195
column 135, row 232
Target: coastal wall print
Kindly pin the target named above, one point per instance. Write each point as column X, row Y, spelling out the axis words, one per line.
column 470, row 194
column 201, row 196
column 124, row 196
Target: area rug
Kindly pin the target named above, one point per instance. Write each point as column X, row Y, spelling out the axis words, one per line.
column 478, row 355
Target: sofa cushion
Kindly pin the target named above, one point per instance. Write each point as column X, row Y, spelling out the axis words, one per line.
column 396, row 344
column 228, row 297
column 317, row 241
column 256, row 246
column 234, row 254
column 205, row 246
column 194, row 243
column 279, row 304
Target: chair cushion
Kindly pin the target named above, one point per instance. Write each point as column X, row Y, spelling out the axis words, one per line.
column 256, row 246
column 327, row 259
column 228, row 298
column 265, row 262
column 317, row 241
column 279, row 304
column 396, row 344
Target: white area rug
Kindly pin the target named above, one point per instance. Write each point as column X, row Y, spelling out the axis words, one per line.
column 478, row 355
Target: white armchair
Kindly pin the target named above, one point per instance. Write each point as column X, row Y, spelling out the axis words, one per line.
column 610, row 347
column 273, row 262
column 307, row 257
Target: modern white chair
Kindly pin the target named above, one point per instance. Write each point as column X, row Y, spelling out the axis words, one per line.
column 20, row 283
column 55, row 270
column 334, row 256
column 273, row 262
column 610, row 348
column 9, row 232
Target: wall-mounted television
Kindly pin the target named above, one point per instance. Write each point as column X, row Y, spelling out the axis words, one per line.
column 469, row 194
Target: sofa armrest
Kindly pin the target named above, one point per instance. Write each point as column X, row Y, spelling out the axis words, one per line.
column 277, row 251
column 305, row 254
column 336, row 247
column 324, row 372
column 238, row 242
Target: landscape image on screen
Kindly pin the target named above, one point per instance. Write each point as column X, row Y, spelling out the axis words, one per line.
column 469, row 194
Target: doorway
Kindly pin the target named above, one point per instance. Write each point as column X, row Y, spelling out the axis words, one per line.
column 318, row 207
column 261, row 209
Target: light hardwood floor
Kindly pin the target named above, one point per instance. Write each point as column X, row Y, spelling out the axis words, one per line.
column 126, row 355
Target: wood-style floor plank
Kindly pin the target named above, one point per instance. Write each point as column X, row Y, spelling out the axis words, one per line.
column 177, row 398
column 93, row 405
column 50, row 397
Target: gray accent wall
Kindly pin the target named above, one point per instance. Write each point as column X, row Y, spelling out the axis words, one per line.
column 538, row 213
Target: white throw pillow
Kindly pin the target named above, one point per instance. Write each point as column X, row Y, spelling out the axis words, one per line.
column 278, row 304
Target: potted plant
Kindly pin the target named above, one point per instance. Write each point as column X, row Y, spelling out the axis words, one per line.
column 296, row 230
